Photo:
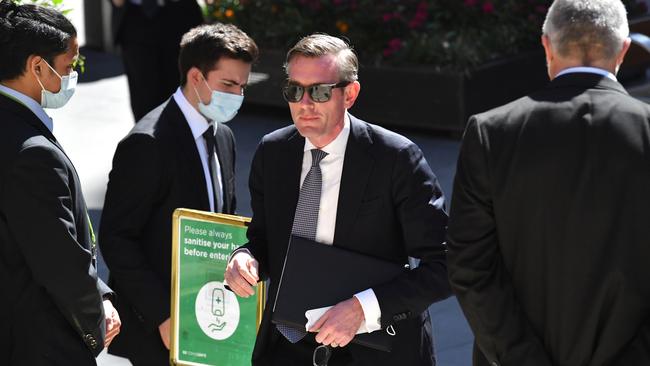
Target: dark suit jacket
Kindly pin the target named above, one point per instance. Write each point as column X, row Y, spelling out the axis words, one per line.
column 51, row 311
column 156, row 169
column 549, row 234
column 170, row 23
column 390, row 206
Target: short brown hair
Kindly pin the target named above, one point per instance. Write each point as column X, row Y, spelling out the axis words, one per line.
column 320, row 44
column 202, row 47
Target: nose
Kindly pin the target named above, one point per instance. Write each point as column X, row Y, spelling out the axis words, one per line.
column 306, row 100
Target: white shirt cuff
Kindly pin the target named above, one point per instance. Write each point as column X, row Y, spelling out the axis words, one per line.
column 371, row 310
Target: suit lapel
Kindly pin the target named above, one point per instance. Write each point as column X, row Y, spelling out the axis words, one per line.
column 289, row 167
column 27, row 116
column 357, row 166
column 190, row 161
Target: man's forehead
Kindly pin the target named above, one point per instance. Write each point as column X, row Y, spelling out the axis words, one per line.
column 323, row 69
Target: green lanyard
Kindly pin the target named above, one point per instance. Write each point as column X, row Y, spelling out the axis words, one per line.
column 93, row 240
column 12, row 98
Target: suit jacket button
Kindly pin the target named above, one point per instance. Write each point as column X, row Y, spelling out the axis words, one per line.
column 91, row 341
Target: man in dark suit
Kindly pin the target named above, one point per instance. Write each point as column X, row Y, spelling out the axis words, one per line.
column 548, row 235
column 54, row 308
column 181, row 154
column 378, row 197
column 150, row 32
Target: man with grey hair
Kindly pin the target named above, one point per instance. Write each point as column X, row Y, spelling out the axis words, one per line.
column 548, row 235
column 340, row 181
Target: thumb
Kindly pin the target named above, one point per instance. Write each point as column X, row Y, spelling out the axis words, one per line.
column 252, row 267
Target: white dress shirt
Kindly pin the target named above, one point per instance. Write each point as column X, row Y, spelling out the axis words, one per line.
column 199, row 124
column 589, row 69
column 30, row 103
column 332, row 168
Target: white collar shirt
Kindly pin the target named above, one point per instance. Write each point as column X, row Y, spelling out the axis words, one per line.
column 589, row 69
column 30, row 103
column 199, row 124
column 332, row 169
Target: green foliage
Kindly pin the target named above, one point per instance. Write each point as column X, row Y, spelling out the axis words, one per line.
column 446, row 34
column 57, row 4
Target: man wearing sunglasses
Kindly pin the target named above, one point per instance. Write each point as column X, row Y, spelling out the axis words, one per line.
column 181, row 154
column 54, row 308
column 376, row 196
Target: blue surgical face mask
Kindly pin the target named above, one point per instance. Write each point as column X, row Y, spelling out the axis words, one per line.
column 222, row 107
column 60, row 98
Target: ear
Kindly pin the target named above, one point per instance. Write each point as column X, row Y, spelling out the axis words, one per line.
column 351, row 94
column 548, row 49
column 194, row 76
column 34, row 64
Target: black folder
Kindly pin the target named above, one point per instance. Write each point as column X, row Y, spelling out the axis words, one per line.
column 317, row 275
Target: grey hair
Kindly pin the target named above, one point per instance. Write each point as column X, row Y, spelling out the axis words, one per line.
column 318, row 45
column 588, row 29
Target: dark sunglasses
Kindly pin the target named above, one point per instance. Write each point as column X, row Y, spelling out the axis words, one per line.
column 319, row 93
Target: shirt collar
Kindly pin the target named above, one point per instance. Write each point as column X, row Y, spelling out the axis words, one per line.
column 30, row 103
column 337, row 146
column 198, row 124
column 592, row 70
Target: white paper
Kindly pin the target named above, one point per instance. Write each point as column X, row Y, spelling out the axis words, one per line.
column 314, row 314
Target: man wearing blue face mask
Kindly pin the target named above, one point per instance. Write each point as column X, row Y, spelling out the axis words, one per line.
column 181, row 154
column 54, row 308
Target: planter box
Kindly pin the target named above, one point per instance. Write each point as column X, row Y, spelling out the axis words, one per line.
column 419, row 98
column 423, row 98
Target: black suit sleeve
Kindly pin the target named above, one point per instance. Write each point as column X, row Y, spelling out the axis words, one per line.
column 39, row 214
column 477, row 273
column 256, row 232
column 419, row 206
column 133, row 186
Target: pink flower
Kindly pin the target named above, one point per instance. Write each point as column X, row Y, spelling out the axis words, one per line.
column 488, row 7
column 395, row 44
column 387, row 17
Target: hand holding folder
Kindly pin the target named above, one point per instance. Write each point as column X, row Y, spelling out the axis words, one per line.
column 317, row 275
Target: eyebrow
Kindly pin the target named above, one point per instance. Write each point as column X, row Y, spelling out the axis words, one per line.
column 234, row 82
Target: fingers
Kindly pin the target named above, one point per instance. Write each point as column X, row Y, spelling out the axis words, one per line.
column 242, row 274
column 253, row 269
column 238, row 283
column 246, row 271
column 113, row 322
column 319, row 323
column 338, row 326
column 110, row 335
column 165, row 332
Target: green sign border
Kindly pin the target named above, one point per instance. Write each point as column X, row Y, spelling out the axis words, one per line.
column 183, row 213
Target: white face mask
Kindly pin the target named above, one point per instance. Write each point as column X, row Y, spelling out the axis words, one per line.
column 60, row 98
column 222, row 107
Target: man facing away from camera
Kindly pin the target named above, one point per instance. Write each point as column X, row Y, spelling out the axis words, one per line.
column 548, row 249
